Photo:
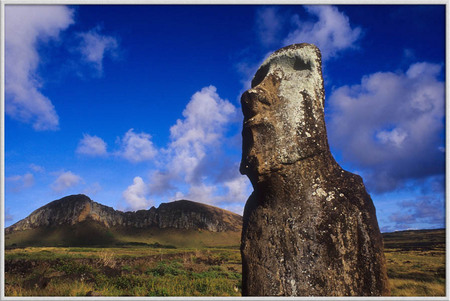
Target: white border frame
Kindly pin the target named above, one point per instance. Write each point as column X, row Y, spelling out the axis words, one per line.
column 211, row 2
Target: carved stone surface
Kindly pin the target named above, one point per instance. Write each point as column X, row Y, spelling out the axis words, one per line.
column 310, row 227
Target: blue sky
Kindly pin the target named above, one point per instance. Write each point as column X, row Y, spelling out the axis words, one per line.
column 139, row 105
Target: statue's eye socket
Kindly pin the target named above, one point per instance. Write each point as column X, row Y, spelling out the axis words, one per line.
column 260, row 75
column 300, row 64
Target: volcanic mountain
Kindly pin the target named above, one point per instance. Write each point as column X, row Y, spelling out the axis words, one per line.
column 77, row 220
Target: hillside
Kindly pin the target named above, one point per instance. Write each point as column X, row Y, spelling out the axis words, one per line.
column 421, row 240
column 77, row 220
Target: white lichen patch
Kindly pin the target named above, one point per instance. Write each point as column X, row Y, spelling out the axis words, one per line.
column 330, row 196
column 302, row 72
column 321, row 192
column 293, row 287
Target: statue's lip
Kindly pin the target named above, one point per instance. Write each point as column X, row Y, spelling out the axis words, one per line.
column 256, row 120
column 252, row 121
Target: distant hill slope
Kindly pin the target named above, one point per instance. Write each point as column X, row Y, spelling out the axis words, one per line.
column 77, row 220
column 415, row 239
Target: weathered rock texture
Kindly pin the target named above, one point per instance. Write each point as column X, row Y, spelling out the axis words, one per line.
column 181, row 214
column 310, row 228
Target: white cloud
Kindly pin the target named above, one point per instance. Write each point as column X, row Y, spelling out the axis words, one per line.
column 18, row 183
column 135, row 195
column 332, row 32
column 232, row 193
column 391, row 125
column 204, row 117
column 137, row 147
column 394, row 137
column 161, row 182
column 205, row 120
column 92, row 146
column 195, row 165
column 202, row 193
column 239, row 189
column 25, row 26
column 95, row 47
column 65, row 181
column 134, row 147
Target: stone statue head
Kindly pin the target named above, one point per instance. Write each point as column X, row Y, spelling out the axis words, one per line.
column 283, row 111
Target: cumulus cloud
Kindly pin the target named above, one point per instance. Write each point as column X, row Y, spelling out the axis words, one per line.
column 24, row 100
column 206, row 117
column 332, row 31
column 238, row 188
column 230, row 194
column 18, row 183
column 391, row 125
column 91, row 146
column 200, row 193
column 135, row 194
column 162, row 182
column 194, row 165
column 65, row 181
column 96, row 46
column 136, row 147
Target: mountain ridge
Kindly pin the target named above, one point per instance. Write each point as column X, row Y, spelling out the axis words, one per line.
column 181, row 214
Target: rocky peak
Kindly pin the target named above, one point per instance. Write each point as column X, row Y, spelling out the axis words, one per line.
column 188, row 214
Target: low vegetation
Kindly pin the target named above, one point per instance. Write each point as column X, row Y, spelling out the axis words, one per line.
column 415, row 262
column 125, row 271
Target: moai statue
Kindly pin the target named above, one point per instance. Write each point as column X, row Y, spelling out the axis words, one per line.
column 310, row 227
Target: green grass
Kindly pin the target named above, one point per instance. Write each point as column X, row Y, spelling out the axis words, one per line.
column 416, row 262
column 414, row 269
column 130, row 271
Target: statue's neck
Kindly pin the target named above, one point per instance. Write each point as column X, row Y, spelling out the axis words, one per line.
column 299, row 173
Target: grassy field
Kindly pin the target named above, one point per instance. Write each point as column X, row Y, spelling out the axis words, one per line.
column 415, row 262
column 125, row 271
